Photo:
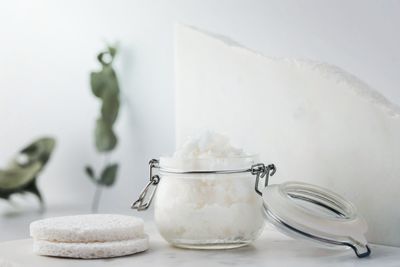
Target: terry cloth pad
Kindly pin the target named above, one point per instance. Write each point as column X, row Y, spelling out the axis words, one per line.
column 88, row 228
column 92, row 250
column 89, row 236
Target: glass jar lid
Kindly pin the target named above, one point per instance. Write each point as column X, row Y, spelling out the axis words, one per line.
column 316, row 214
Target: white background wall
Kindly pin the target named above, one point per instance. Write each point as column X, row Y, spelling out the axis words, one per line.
column 49, row 47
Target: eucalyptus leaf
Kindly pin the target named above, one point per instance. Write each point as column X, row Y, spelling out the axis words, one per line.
column 104, row 80
column 109, row 175
column 110, row 107
column 13, row 178
column 98, row 83
column 90, row 173
column 20, row 175
column 33, row 189
column 6, row 194
column 105, row 137
column 112, row 50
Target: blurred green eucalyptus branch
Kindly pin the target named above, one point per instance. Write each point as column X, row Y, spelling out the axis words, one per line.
column 104, row 85
column 21, row 173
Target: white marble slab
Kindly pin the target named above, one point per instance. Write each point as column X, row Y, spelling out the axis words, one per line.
column 318, row 123
column 272, row 249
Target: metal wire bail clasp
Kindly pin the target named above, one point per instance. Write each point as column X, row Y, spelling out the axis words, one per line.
column 262, row 172
column 146, row 196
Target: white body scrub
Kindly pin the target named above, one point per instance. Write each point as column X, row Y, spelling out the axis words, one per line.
column 208, row 210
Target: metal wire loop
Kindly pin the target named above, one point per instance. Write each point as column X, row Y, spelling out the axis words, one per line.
column 262, row 171
column 146, row 196
column 141, row 203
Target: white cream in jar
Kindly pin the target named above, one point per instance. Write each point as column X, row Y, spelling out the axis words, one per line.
column 208, row 210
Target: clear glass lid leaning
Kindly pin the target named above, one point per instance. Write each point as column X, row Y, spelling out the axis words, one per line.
column 315, row 214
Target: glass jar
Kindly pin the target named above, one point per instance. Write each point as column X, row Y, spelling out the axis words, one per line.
column 207, row 203
column 223, row 203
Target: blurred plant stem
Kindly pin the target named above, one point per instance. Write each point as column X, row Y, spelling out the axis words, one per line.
column 99, row 188
column 96, row 199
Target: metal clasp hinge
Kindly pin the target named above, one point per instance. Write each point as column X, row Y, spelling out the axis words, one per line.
column 147, row 195
column 262, row 172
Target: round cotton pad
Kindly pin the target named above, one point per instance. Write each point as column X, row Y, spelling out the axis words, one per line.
column 88, row 228
column 93, row 250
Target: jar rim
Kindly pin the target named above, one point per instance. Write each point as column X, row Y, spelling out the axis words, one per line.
column 215, row 164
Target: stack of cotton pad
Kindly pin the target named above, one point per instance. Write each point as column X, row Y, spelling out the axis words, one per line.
column 89, row 236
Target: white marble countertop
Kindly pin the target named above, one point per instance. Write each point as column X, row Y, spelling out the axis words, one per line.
column 271, row 249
